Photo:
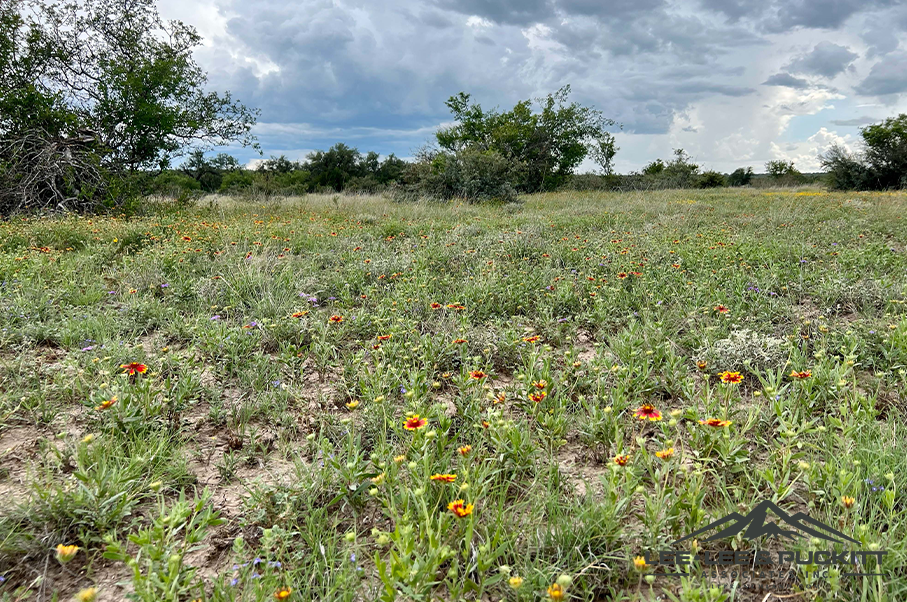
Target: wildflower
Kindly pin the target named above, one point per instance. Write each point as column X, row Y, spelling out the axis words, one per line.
column 89, row 594
column 647, row 412
column 383, row 337
column 88, row 438
column 701, row 364
column 444, row 478
column 400, row 458
column 485, row 424
column 804, row 374
column 639, row 563
column 299, row 314
column 730, row 378
column 66, row 553
column 464, row 450
column 459, row 341
column 283, row 593
column 721, row 309
column 515, row 582
column 715, row 423
column 622, row 275
column 533, row 339
column 460, row 508
column 477, row 374
column 622, row 460
column 335, row 319
column 435, row 306
column 537, row 397
column 666, row 453
column 353, row 404
column 540, row 384
column 455, row 306
column 556, row 592
column 847, row 501
column 414, row 423
column 106, row 403
column 134, row 368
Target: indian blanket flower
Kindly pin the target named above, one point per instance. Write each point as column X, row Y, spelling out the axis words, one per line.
column 730, row 378
column 647, row 412
column 622, row 460
column 299, row 314
column 515, row 582
column 383, row 337
column 537, row 397
column 464, row 450
column 540, row 384
column 107, row 403
column 415, row 422
column 444, row 478
column 639, row 563
column 460, row 508
column 701, row 364
column 283, row 593
column 533, row 339
column 133, row 368
column 335, row 319
column 721, row 309
column 455, row 306
column 715, row 423
column 666, row 453
column 802, row 375
column 459, row 341
column 556, row 591
column 436, row 306
column 66, row 553
column 847, row 501
column 622, row 275
column 477, row 374
column 399, row 459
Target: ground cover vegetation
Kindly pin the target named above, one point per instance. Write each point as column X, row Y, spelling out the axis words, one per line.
column 349, row 398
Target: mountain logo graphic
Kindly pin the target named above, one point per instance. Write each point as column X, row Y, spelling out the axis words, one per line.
column 754, row 525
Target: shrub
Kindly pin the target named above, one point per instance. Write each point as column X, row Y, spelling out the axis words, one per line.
column 711, row 179
column 470, row 174
column 744, row 349
column 740, row 177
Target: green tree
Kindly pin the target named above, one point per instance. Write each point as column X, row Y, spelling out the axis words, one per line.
column 885, row 152
column 740, row 177
column 543, row 147
column 779, row 168
column 93, row 91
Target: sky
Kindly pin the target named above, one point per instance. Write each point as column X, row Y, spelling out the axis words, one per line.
column 733, row 82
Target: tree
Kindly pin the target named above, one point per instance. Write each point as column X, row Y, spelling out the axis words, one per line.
column 112, row 75
column 711, row 179
column 885, row 151
column 779, row 168
column 543, row 147
column 336, row 166
column 740, row 177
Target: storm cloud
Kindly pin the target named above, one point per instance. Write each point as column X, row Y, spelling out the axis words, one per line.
column 728, row 78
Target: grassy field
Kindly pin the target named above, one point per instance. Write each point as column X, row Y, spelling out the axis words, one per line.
column 341, row 398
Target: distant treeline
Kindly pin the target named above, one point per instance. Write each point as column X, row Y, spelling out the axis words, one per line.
column 344, row 169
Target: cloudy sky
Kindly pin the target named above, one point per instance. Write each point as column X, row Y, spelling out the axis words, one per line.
column 733, row 82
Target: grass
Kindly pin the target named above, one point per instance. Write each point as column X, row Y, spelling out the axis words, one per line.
column 266, row 446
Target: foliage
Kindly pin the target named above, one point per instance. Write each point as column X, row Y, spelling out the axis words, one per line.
column 711, row 179
column 740, row 177
column 544, row 147
column 127, row 97
column 881, row 164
